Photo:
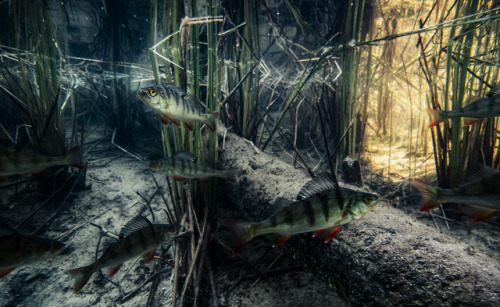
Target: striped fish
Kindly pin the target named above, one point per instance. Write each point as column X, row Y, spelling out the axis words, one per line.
column 17, row 250
column 183, row 165
column 138, row 237
column 486, row 107
column 14, row 163
column 173, row 104
column 321, row 207
column 482, row 194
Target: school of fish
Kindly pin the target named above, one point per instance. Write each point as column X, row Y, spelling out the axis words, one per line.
column 321, row 207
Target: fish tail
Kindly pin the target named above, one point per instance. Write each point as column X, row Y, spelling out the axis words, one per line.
column 211, row 120
column 435, row 117
column 242, row 232
column 429, row 194
column 75, row 157
column 231, row 174
column 82, row 276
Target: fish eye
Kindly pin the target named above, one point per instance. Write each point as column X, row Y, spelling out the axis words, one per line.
column 173, row 229
column 368, row 199
column 152, row 92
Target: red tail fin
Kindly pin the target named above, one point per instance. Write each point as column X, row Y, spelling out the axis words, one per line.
column 231, row 174
column 240, row 232
column 211, row 120
column 429, row 195
column 75, row 157
column 435, row 117
column 82, row 276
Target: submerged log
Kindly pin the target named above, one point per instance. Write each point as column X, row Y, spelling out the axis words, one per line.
column 385, row 258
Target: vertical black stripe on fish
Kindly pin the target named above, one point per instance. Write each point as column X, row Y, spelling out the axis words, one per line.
column 127, row 245
column 110, row 254
column 274, row 221
column 348, row 207
column 288, row 216
column 193, row 168
column 183, row 165
column 142, row 238
column 325, row 209
column 491, row 104
column 308, row 210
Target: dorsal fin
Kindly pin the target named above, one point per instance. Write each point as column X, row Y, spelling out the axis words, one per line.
column 175, row 89
column 322, row 182
column 477, row 172
column 278, row 204
column 185, row 155
column 138, row 222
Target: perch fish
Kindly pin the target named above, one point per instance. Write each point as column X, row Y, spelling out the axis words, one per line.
column 17, row 250
column 14, row 163
column 184, row 165
column 138, row 237
column 488, row 106
column 173, row 104
column 321, row 206
column 482, row 194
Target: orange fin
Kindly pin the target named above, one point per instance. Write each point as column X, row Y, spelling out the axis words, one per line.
column 231, row 174
column 435, row 117
column 330, row 233
column 479, row 214
column 470, row 120
column 190, row 127
column 428, row 193
column 6, row 271
column 202, row 180
column 319, row 232
column 164, row 120
column 212, row 120
column 240, row 232
column 175, row 122
column 82, row 276
column 114, row 270
column 280, row 239
column 3, row 179
column 149, row 255
column 178, row 179
column 75, row 157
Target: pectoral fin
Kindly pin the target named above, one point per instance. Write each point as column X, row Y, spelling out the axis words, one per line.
column 164, row 120
column 189, row 126
column 179, row 179
column 174, row 121
column 479, row 214
column 279, row 239
column 113, row 270
column 330, row 233
column 149, row 255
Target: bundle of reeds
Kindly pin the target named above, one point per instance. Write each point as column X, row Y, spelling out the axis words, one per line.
column 459, row 63
column 181, row 57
